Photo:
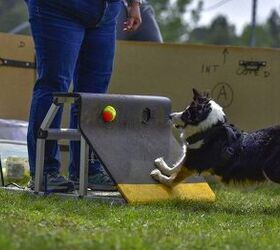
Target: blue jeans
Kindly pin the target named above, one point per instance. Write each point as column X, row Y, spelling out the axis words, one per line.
column 74, row 40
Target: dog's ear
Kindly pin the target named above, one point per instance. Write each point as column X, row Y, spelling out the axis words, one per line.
column 199, row 97
column 196, row 94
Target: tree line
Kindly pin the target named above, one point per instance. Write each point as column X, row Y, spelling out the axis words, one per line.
column 175, row 28
column 220, row 32
column 171, row 16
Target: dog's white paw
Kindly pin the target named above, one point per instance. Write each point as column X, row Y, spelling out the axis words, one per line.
column 159, row 161
column 155, row 174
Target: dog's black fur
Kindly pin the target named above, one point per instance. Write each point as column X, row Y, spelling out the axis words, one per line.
column 229, row 152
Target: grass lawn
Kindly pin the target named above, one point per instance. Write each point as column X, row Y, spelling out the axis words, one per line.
column 241, row 218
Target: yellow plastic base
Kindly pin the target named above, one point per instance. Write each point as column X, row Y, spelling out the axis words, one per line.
column 145, row 193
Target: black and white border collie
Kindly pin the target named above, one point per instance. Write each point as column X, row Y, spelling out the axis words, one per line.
column 219, row 147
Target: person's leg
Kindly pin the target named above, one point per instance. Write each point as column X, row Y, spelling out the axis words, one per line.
column 148, row 30
column 57, row 41
column 93, row 73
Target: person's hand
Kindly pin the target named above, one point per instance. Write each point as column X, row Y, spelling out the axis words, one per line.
column 134, row 19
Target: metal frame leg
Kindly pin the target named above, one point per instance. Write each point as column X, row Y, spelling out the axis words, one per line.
column 84, row 156
column 49, row 116
column 40, row 147
column 39, row 171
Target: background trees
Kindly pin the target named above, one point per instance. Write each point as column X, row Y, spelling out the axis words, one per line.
column 175, row 24
column 218, row 32
column 12, row 13
column 171, row 18
column 221, row 32
column 273, row 23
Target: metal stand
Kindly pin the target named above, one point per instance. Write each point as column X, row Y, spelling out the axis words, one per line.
column 46, row 133
column 127, row 147
column 1, row 173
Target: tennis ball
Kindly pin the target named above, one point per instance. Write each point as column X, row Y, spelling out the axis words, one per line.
column 109, row 114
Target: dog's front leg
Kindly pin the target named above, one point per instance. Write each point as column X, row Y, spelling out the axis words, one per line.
column 166, row 180
column 165, row 174
column 165, row 169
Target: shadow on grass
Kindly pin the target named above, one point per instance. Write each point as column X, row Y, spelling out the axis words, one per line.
column 266, row 188
column 241, row 200
column 203, row 207
column 257, row 200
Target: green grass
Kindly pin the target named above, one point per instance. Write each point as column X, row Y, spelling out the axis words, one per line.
column 241, row 218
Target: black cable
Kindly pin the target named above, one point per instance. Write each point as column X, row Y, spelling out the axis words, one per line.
column 217, row 5
column 14, row 185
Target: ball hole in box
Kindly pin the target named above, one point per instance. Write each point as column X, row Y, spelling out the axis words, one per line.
column 146, row 115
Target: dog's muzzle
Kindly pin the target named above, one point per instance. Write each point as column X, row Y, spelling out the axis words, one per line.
column 176, row 119
column 171, row 116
